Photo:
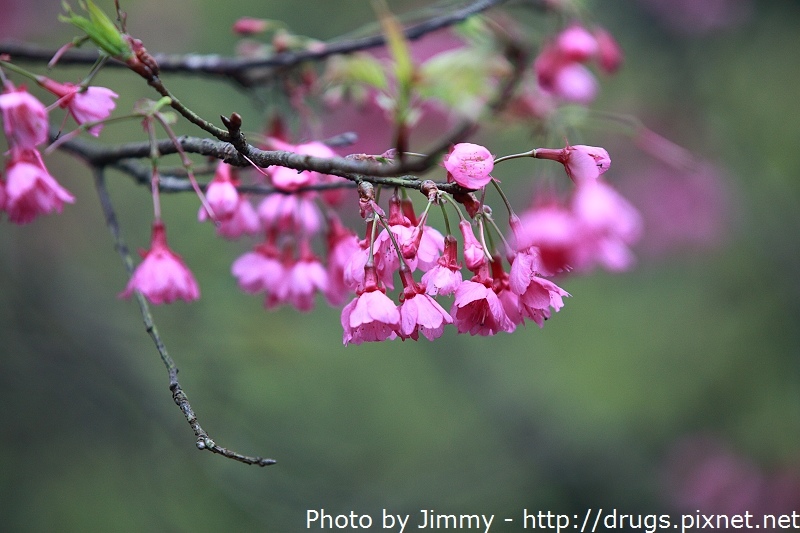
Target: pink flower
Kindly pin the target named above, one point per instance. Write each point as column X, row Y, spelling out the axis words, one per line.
column 259, row 270
column 342, row 245
column 609, row 53
column 560, row 66
column 30, row 190
column 446, row 275
column 419, row 313
column 306, row 277
column 474, row 255
column 469, row 165
column 553, row 229
column 582, row 163
column 371, row 316
column 90, row 105
column 576, row 43
column 243, row 221
column 221, row 194
column 24, row 119
column 290, row 213
column 2, row 193
column 536, row 295
column 250, row 26
column 608, row 225
column 478, row 310
column 575, row 83
column 162, row 277
column 422, row 314
column 289, row 179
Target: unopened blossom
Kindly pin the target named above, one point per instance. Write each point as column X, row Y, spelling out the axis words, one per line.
column 30, row 190
column 575, row 83
column 90, row 104
column 259, row 270
column 221, row 195
column 419, row 313
column 561, row 67
column 445, row 276
column 469, row 165
column 162, row 277
column 582, row 163
column 474, row 255
column 576, row 43
column 371, row 316
column 24, row 119
column 250, row 26
column 609, row 53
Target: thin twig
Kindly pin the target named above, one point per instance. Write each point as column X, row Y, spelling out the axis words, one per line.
column 239, row 69
column 204, row 441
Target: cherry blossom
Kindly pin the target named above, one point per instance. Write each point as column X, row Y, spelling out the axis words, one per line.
column 582, row 163
column 162, row 277
column 469, row 165
column 478, row 311
column 371, row 316
column 30, row 190
column 88, row 104
column 446, row 275
column 24, row 118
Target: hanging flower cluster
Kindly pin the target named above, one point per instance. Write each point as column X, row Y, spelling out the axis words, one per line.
column 27, row 189
column 476, row 279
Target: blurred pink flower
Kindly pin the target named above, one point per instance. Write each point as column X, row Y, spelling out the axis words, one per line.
column 30, row 190
column 608, row 225
column 221, row 194
column 24, row 118
column 258, row 270
column 244, row 221
column 249, row 26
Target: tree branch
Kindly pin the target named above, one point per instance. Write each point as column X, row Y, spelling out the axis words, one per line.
column 239, row 69
column 204, row 441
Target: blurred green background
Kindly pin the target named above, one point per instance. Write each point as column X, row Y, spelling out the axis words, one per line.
column 701, row 338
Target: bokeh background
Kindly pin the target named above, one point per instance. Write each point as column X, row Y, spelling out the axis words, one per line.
column 670, row 388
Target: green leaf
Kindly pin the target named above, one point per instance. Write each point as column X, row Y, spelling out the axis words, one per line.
column 99, row 28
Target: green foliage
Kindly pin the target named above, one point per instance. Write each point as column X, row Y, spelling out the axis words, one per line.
column 99, row 29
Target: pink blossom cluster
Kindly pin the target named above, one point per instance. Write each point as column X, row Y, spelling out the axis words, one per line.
column 595, row 228
column 27, row 189
column 561, row 65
